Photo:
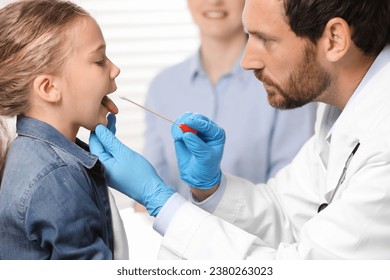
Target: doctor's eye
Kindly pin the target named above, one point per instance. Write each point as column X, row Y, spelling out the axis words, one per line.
column 266, row 41
column 263, row 40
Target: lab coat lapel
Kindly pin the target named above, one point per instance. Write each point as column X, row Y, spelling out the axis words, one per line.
column 334, row 148
column 356, row 122
column 343, row 139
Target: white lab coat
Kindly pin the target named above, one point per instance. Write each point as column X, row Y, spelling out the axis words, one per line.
column 279, row 220
column 121, row 247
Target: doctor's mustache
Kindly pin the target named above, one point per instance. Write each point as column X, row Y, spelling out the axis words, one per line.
column 259, row 74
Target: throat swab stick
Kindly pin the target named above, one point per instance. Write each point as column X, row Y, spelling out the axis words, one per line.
column 183, row 127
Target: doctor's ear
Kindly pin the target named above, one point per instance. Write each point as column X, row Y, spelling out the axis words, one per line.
column 337, row 37
column 45, row 87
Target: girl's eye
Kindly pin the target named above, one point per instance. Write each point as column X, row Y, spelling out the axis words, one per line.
column 101, row 62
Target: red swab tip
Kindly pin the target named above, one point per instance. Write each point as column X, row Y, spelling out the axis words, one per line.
column 186, row 128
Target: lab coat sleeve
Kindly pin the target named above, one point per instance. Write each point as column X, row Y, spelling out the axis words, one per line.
column 354, row 226
column 250, row 222
column 276, row 211
column 196, row 234
column 192, row 239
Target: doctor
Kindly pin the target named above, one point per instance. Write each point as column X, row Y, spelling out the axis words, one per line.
column 333, row 200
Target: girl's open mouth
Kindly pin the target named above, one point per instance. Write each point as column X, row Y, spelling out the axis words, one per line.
column 110, row 105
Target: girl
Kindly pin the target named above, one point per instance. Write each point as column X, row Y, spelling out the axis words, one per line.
column 55, row 77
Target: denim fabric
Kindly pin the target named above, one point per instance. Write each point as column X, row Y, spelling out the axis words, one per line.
column 53, row 198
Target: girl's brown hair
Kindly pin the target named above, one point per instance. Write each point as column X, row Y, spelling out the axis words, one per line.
column 31, row 43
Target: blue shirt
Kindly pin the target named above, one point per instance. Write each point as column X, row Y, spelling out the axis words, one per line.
column 53, row 198
column 259, row 139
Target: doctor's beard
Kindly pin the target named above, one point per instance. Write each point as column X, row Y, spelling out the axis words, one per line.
column 304, row 84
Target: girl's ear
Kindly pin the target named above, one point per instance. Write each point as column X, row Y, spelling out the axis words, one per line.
column 337, row 37
column 45, row 87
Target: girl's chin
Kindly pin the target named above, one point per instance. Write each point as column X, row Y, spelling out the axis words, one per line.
column 102, row 120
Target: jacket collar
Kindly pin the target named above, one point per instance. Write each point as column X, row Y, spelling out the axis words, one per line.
column 37, row 129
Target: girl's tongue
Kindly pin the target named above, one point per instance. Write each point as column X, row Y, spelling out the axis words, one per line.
column 111, row 107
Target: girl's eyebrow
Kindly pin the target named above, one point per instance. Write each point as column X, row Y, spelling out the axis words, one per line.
column 101, row 47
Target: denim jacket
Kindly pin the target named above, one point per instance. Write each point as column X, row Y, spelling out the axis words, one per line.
column 53, row 198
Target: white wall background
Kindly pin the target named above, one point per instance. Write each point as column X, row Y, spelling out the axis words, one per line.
column 142, row 36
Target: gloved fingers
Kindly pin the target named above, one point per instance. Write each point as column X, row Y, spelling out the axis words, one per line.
column 182, row 153
column 97, row 148
column 199, row 117
column 176, row 131
column 196, row 146
column 94, row 145
column 94, row 142
column 183, row 117
column 110, row 143
column 111, row 124
column 208, row 130
column 186, row 119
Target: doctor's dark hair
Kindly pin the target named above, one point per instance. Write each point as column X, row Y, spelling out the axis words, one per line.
column 369, row 20
column 32, row 42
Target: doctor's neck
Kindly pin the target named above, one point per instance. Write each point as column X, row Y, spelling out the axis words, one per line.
column 348, row 75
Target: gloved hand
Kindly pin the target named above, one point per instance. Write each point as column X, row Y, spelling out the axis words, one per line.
column 199, row 155
column 111, row 123
column 129, row 172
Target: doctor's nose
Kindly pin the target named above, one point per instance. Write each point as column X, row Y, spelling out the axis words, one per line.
column 252, row 58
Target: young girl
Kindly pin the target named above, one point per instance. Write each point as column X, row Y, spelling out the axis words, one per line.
column 55, row 77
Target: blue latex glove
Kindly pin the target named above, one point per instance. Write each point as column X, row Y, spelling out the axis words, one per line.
column 199, row 155
column 129, row 172
column 111, row 124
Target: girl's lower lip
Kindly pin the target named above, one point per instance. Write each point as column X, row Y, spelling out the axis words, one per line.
column 110, row 105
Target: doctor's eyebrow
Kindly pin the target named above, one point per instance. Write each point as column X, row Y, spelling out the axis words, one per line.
column 259, row 35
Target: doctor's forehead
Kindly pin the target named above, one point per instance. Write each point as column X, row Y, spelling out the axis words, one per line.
column 264, row 16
